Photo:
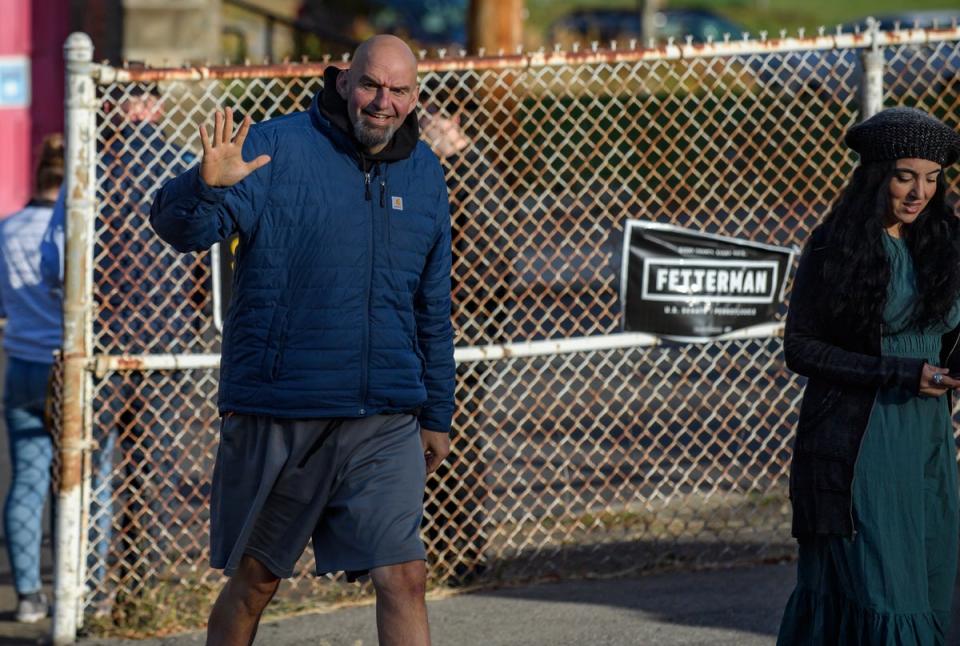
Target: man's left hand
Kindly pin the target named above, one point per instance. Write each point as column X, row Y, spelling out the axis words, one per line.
column 436, row 447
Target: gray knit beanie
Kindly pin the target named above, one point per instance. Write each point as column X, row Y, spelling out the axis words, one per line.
column 900, row 133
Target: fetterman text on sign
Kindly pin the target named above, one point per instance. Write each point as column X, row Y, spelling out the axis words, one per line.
column 687, row 284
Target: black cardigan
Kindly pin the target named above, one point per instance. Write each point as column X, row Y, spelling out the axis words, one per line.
column 845, row 371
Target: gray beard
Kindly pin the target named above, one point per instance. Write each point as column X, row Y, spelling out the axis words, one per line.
column 369, row 136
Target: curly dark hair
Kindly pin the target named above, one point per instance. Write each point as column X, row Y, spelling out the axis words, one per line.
column 856, row 268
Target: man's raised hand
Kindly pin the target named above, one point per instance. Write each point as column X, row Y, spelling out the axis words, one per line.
column 222, row 163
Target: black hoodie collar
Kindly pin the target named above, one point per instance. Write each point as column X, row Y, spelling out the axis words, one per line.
column 334, row 108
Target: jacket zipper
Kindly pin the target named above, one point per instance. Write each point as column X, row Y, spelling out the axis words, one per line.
column 382, row 173
column 365, row 350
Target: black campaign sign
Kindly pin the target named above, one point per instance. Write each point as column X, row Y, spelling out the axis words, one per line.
column 687, row 284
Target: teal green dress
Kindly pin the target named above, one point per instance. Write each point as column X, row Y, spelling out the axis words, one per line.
column 892, row 583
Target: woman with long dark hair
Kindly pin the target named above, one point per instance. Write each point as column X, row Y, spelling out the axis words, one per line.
column 873, row 324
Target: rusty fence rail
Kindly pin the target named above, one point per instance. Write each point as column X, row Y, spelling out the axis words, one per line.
column 579, row 448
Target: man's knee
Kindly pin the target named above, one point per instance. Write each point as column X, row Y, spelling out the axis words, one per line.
column 401, row 581
column 254, row 584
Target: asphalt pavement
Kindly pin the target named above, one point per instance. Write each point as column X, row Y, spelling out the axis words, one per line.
column 739, row 606
column 725, row 607
column 729, row 607
column 736, row 607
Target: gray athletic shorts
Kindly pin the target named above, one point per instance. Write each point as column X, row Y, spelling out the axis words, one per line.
column 355, row 486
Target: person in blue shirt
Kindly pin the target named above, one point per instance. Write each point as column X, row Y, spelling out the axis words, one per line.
column 142, row 307
column 33, row 334
column 337, row 369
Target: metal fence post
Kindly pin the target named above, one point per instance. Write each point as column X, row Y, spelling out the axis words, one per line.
column 80, row 192
column 871, row 88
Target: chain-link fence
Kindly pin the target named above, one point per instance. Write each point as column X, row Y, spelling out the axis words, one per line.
column 573, row 462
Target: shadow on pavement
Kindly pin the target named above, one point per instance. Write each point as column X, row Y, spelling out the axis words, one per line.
column 743, row 599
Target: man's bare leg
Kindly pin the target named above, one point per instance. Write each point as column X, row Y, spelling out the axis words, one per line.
column 236, row 613
column 401, row 607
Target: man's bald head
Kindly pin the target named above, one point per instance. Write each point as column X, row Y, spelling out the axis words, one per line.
column 387, row 47
column 380, row 89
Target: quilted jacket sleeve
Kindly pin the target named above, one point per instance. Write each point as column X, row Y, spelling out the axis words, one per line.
column 434, row 329
column 192, row 216
column 810, row 354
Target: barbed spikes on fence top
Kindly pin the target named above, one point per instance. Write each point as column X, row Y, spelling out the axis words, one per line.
column 634, row 44
column 614, row 50
column 671, row 49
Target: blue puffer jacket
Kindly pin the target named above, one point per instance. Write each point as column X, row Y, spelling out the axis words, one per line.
column 341, row 294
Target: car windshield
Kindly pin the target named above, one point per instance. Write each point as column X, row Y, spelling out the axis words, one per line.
column 908, row 20
column 426, row 21
column 613, row 24
column 702, row 27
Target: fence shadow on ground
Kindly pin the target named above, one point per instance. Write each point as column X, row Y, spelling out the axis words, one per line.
column 734, row 595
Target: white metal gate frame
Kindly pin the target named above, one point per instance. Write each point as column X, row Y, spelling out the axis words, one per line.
column 81, row 363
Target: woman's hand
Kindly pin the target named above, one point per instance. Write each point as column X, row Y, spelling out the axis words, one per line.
column 930, row 387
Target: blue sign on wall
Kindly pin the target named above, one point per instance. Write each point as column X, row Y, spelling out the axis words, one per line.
column 14, row 82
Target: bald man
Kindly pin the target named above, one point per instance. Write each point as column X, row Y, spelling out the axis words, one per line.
column 337, row 372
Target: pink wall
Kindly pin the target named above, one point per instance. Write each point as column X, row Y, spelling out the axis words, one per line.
column 15, row 27
column 15, row 121
column 34, row 30
column 15, row 173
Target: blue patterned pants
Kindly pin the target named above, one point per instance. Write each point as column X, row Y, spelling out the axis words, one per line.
column 31, row 451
